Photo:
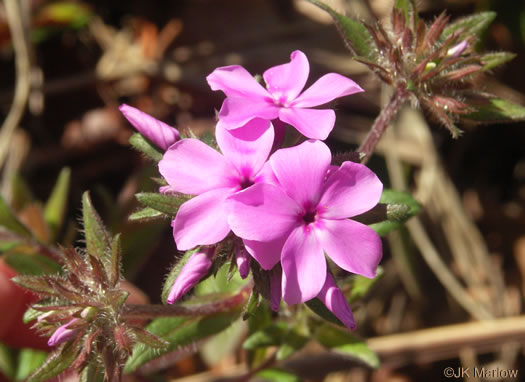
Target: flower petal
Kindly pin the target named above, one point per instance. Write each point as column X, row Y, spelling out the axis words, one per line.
column 349, row 191
column 267, row 253
column 246, row 148
column 235, row 81
column 353, row 246
column 325, row 89
column 201, row 220
column 335, row 301
column 262, row 212
column 287, row 80
column 192, row 167
column 312, row 123
column 304, row 266
column 301, row 170
column 161, row 134
column 237, row 112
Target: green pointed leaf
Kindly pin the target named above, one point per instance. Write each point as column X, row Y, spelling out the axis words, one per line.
column 58, row 361
column 495, row 59
column 474, row 24
column 31, row 264
column 316, row 306
column 36, row 284
column 55, row 207
column 9, row 221
column 168, row 204
column 401, row 207
column 345, row 343
column 496, row 110
column 356, row 36
column 277, row 375
column 7, row 364
column 272, row 335
column 361, row 285
column 141, row 144
column 251, row 307
column 174, row 273
column 147, row 214
column 21, row 195
column 116, row 249
column 146, row 338
column 28, row 361
column 98, row 241
column 179, row 331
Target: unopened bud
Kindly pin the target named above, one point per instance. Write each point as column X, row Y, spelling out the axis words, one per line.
column 430, row 65
column 242, row 258
column 88, row 313
column 456, row 50
column 62, row 334
column 161, row 134
column 191, row 273
column 335, row 301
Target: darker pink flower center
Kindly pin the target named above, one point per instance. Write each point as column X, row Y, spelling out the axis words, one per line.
column 309, row 216
column 246, row 182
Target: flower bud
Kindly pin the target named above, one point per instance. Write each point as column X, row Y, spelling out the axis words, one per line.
column 62, row 334
column 332, row 297
column 191, row 273
column 242, row 258
column 456, row 50
column 156, row 131
column 88, row 313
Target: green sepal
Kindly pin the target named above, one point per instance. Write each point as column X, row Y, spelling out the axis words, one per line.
column 356, row 36
column 346, row 344
column 141, row 144
column 178, row 332
column 30, row 314
column 10, row 222
column 148, row 339
column 470, row 25
column 58, row 361
column 55, row 207
column 174, row 273
column 167, row 204
column 98, row 240
column 495, row 59
column 28, row 361
column 493, row 110
column 402, row 207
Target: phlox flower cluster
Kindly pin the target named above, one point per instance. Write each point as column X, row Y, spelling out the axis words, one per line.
column 287, row 208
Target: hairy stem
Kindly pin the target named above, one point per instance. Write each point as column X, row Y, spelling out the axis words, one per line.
column 382, row 121
column 153, row 311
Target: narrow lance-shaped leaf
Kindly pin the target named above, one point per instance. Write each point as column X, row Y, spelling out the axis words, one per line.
column 9, row 221
column 114, row 274
column 277, row 375
column 55, row 207
column 496, row 110
column 98, row 241
column 141, row 144
column 356, row 36
column 346, row 344
column 495, row 59
column 470, row 25
column 58, row 361
column 28, row 361
column 179, row 331
column 147, row 214
column 168, row 204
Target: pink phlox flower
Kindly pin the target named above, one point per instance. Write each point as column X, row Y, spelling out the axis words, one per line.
column 159, row 133
column 306, row 215
column 62, row 334
column 242, row 259
column 194, row 168
column 335, row 301
column 197, row 266
column 282, row 98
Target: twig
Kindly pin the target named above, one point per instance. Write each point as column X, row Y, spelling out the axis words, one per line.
column 23, row 74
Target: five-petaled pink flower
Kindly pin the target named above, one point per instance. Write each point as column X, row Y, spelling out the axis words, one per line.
column 192, row 167
column 247, row 99
column 304, row 214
